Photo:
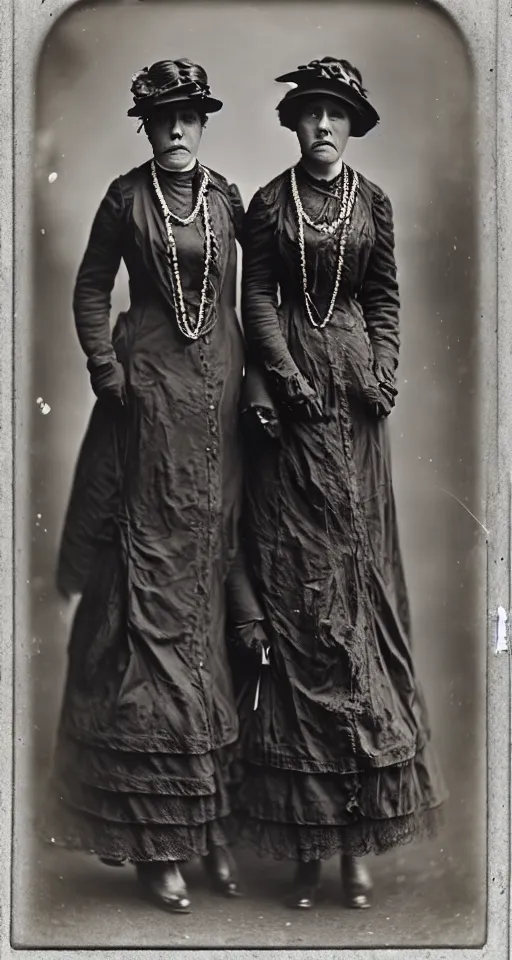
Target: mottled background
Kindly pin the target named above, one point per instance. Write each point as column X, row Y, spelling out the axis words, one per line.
column 417, row 71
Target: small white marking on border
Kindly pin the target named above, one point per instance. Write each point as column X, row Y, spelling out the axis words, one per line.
column 501, row 645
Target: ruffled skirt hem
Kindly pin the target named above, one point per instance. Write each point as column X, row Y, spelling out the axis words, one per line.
column 137, row 807
column 284, row 841
column 134, row 842
column 302, row 816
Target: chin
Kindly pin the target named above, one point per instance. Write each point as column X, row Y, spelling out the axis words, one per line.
column 324, row 157
column 178, row 162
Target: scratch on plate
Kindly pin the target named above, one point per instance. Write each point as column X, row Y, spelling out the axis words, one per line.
column 480, row 524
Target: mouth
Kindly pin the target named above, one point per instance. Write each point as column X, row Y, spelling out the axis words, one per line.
column 177, row 150
column 321, row 144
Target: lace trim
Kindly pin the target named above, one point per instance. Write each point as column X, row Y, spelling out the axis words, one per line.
column 134, row 842
column 284, row 842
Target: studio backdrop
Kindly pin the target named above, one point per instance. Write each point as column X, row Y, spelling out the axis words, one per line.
column 415, row 65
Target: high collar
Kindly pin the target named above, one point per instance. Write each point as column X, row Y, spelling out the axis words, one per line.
column 321, row 182
column 177, row 176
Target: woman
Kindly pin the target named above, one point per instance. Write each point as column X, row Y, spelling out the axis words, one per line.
column 335, row 739
column 148, row 714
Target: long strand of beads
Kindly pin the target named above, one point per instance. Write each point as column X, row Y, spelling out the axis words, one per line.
column 200, row 196
column 324, row 226
column 193, row 331
column 348, row 203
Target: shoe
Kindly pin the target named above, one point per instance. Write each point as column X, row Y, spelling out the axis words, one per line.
column 163, row 884
column 220, row 869
column 305, row 886
column 356, row 883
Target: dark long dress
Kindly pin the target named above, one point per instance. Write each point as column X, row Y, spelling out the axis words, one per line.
column 337, row 754
column 148, row 714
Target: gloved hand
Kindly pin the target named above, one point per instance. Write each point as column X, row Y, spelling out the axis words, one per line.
column 252, row 636
column 309, row 409
column 304, row 403
column 108, row 380
column 386, row 380
column 263, row 420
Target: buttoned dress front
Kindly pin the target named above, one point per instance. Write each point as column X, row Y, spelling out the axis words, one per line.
column 148, row 716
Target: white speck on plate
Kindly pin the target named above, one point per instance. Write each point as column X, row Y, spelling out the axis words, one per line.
column 44, row 407
column 52, row 178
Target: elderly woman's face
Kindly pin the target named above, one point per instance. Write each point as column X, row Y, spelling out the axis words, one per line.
column 175, row 134
column 323, row 130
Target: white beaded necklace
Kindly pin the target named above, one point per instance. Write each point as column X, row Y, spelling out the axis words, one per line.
column 323, row 226
column 187, row 327
column 343, row 219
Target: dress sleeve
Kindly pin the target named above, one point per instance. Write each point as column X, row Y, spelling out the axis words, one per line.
column 237, row 206
column 96, row 278
column 379, row 294
column 242, row 604
column 228, row 292
column 259, row 296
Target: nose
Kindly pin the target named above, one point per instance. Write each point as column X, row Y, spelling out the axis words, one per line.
column 323, row 125
column 176, row 130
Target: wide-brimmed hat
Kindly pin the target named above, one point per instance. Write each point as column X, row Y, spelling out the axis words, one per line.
column 171, row 81
column 335, row 78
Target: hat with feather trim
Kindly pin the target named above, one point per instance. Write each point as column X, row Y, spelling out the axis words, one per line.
column 334, row 78
column 171, row 81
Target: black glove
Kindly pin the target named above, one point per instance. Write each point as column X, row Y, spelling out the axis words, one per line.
column 108, row 380
column 263, row 421
column 303, row 401
column 252, row 636
column 386, row 380
column 309, row 409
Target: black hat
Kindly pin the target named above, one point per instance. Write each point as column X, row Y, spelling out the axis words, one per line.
column 336, row 78
column 171, row 81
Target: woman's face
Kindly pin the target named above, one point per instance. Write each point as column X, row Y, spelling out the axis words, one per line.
column 323, row 130
column 175, row 134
